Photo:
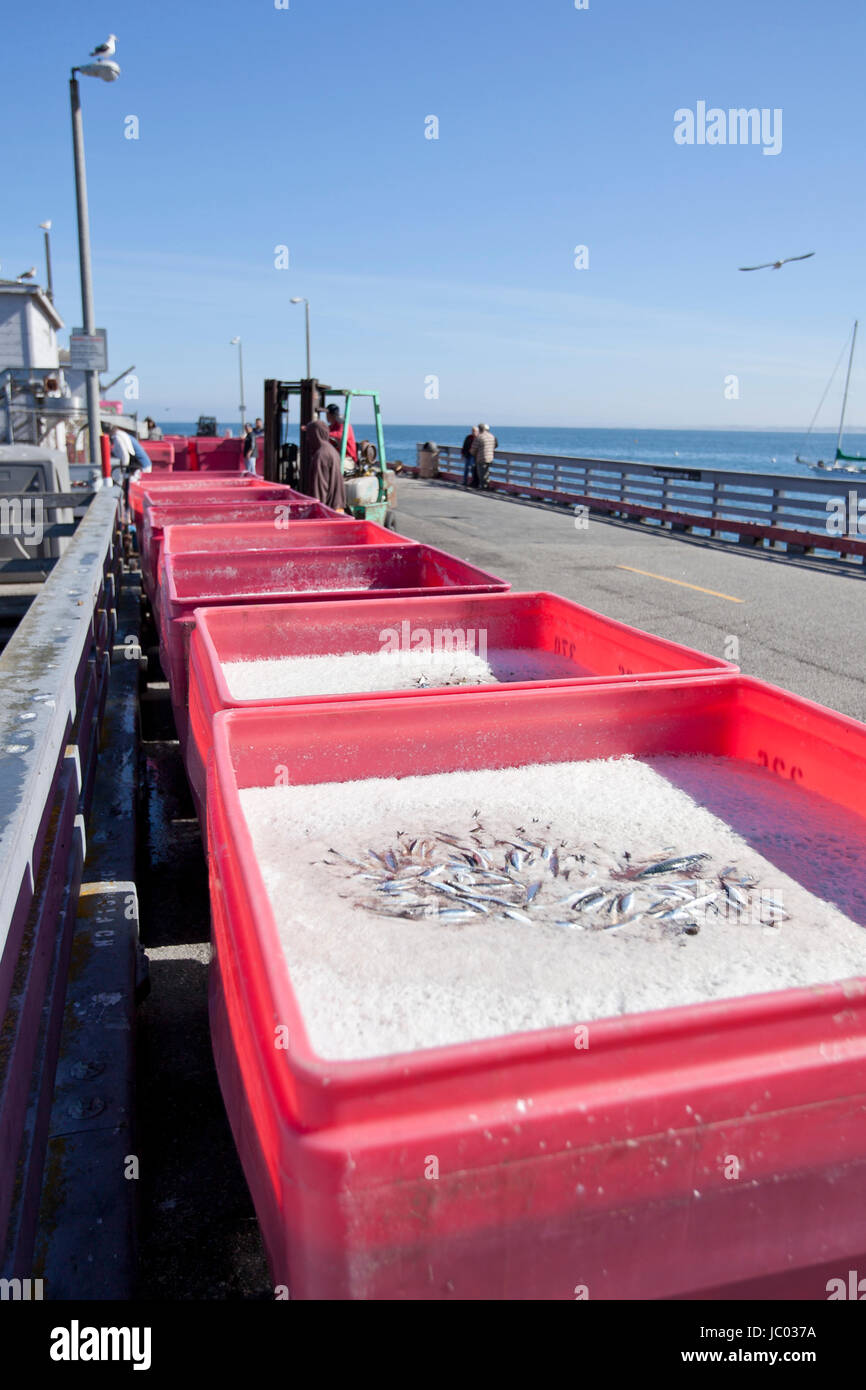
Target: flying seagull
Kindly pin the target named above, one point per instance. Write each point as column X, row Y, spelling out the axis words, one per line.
column 105, row 50
column 28, row 274
column 776, row 265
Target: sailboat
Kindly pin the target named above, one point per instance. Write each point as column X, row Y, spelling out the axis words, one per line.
column 842, row 462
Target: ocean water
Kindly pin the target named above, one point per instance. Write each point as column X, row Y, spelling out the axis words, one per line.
column 750, row 451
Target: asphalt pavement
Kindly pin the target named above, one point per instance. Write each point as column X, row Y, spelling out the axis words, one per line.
column 798, row 621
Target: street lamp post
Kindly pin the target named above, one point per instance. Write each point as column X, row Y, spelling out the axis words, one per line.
column 109, row 72
column 46, row 227
column 236, row 342
column 306, row 303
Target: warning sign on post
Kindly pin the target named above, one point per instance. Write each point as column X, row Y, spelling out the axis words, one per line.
column 88, row 352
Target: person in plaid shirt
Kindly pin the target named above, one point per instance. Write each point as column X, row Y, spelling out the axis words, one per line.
column 483, row 448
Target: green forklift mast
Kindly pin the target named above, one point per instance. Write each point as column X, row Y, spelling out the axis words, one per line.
column 368, row 511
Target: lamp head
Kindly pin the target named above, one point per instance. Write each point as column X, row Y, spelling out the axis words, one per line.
column 105, row 68
column 46, row 226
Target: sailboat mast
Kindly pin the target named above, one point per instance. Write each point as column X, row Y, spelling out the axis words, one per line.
column 847, row 384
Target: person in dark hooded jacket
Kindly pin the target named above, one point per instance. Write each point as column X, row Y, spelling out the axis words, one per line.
column 324, row 473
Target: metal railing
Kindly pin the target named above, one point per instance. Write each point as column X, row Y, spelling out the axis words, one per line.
column 53, row 683
column 802, row 513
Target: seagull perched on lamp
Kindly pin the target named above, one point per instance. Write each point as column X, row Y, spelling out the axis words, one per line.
column 105, row 50
column 776, row 265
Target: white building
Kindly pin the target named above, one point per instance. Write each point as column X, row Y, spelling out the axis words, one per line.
column 29, row 324
column 35, row 403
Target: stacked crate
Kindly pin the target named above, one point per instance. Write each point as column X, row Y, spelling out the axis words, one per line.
column 557, row 1170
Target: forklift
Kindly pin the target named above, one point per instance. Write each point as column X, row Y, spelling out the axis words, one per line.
column 370, row 491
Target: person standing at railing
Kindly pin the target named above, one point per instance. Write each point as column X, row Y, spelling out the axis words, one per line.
column 466, row 454
column 249, row 449
column 483, row 448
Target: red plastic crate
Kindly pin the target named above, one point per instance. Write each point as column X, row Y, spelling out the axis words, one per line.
column 180, row 444
column 401, row 569
column 558, row 1168
column 275, row 534
column 160, row 453
column 601, row 649
column 165, row 486
column 249, row 491
column 185, row 513
column 218, row 455
column 203, row 538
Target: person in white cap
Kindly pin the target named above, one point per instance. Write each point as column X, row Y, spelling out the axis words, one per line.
column 483, row 449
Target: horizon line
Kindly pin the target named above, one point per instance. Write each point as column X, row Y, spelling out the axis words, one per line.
column 623, row 429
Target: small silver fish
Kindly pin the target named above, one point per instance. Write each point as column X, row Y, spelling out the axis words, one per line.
column 413, row 914
column 675, row 914
column 475, row 906
column 532, row 890
column 575, row 898
column 588, row 904
column 701, row 902
column 735, row 896
column 488, row 898
column 347, row 860
column 666, row 866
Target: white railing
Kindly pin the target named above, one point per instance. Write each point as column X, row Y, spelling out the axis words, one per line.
column 810, row 513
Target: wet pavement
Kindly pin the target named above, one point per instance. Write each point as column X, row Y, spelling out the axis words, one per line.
column 198, row 1233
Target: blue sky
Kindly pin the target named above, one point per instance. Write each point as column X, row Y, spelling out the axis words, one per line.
column 453, row 257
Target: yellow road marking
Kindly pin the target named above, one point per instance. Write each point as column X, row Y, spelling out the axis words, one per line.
column 682, row 583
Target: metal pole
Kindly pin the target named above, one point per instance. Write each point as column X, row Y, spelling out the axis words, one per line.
column 241, row 368
column 89, row 322
column 307, row 312
column 845, row 394
column 50, row 287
